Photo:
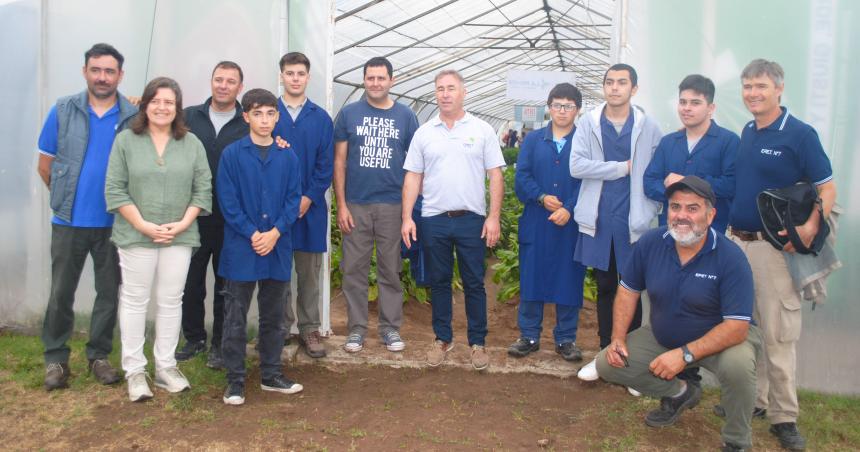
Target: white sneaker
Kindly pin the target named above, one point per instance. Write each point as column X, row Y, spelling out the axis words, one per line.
column 171, row 379
column 589, row 371
column 138, row 388
column 634, row 392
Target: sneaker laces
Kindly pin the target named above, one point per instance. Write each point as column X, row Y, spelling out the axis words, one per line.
column 355, row 338
column 57, row 366
column 313, row 337
column 392, row 337
column 174, row 372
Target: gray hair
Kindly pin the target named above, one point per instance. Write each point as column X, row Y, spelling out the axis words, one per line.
column 760, row 66
column 453, row 72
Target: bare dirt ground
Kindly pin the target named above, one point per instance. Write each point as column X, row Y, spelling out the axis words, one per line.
column 363, row 407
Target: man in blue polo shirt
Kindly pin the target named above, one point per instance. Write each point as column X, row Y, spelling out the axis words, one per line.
column 778, row 150
column 701, row 148
column 701, row 291
column 308, row 129
column 73, row 154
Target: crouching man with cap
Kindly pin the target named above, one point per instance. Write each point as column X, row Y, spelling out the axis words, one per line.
column 701, row 290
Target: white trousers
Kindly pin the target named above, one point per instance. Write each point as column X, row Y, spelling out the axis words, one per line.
column 146, row 272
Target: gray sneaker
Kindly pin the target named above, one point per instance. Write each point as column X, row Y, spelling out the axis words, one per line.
column 103, row 371
column 354, row 343
column 393, row 341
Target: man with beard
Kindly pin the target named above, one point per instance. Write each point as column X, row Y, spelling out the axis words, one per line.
column 701, row 290
column 74, row 147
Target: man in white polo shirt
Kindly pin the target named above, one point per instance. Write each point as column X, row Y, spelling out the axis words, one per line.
column 447, row 162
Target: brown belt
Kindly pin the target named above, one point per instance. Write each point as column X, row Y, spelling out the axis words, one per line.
column 456, row 213
column 747, row 236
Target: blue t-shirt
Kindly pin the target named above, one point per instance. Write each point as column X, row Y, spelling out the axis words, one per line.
column 777, row 156
column 689, row 300
column 89, row 209
column 377, row 144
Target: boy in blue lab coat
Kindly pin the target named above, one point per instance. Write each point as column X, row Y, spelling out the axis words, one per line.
column 701, row 148
column 259, row 192
column 547, row 232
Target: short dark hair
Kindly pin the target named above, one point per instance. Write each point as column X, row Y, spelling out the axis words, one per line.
column 377, row 62
column 141, row 122
column 294, row 58
column 565, row 91
column 700, row 84
column 229, row 65
column 102, row 49
column 634, row 78
column 258, row 97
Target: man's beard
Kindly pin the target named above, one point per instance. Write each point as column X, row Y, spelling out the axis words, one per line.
column 689, row 238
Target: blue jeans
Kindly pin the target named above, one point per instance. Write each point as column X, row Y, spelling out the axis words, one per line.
column 530, row 319
column 271, row 303
column 443, row 236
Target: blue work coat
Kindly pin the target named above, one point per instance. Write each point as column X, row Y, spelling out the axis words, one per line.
column 311, row 138
column 548, row 272
column 257, row 195
column 712, row 159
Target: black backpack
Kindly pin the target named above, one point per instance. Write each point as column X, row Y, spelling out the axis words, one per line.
column 789, row 207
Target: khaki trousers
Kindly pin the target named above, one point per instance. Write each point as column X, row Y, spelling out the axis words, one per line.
column 777, row 313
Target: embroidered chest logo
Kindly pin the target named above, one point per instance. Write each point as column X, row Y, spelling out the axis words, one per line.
column 771, row 152
column 706, row 276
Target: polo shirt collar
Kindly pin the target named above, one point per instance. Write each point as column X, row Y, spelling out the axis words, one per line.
column 777, row 125
column 711, row 132
column 437, row 120
column 710, row 241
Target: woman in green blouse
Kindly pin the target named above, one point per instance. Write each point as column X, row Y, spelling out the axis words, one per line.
column 158, row 180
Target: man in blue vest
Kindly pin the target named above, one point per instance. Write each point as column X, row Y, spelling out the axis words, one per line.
column 310, row 131
column 701, row 290
column 74, row 146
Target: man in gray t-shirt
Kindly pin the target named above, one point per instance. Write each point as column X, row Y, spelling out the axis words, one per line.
column 448, row 161
column 371, row 139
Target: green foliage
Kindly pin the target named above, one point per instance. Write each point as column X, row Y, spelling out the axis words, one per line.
column 507, row 267
column 510, row 155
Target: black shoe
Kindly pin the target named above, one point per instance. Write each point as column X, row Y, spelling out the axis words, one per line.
column 788, row 435
column 280, row 384
column 522, row 347
column 235, row 393
column 569, row 351
column 760, row 413
column 190, row 350
column 103, row 371
column 214, row 360
column 729, row 447
column 56, row 376
column 672, row 407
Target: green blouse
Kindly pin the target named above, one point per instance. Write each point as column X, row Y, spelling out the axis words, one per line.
column 162, row 188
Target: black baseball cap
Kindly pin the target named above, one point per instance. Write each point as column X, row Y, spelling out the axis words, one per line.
column 695, row 184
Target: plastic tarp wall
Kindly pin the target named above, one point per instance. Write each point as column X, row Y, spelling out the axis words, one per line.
column 815, row 42
column 43, row 43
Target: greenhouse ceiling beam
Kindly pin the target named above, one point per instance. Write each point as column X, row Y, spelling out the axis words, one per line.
column 575, row 3
column 396, row 26
column 357, row 10
column 490, row 47
column 438, row 33
column 555, row 42
column 539, row 25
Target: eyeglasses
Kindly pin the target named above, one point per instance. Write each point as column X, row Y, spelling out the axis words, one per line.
column 563, row 107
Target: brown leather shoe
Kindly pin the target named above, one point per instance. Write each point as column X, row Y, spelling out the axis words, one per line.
column 438, row 351
column 56, row 376
column 480, row 358
column 103, row 371
column 312, row 343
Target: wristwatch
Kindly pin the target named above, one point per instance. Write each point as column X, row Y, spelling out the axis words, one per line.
column 688, row 355
column 540, row 198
